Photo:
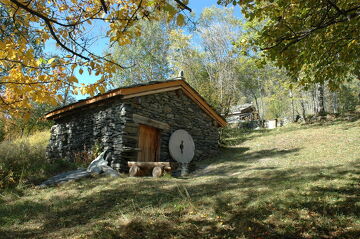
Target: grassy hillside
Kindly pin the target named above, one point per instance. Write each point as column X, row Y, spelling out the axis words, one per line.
column 293, row 182
column 23, row 161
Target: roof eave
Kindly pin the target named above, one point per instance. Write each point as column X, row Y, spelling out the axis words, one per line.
column 126, row 93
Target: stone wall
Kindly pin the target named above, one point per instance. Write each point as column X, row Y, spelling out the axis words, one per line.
column 112, row 126
column 82, row 130
column 180, row 112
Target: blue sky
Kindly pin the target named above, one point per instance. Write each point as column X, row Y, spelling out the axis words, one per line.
column 101, row 45
column 198, row 5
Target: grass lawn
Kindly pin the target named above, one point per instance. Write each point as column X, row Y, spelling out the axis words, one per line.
column 293, row 182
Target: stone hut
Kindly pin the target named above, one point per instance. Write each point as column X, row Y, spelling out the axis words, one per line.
column 246, row 112
column 135, row 123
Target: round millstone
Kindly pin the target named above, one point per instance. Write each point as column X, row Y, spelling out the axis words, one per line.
column 181, row 146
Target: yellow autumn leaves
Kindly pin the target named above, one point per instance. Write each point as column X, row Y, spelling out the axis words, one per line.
column 30, row 75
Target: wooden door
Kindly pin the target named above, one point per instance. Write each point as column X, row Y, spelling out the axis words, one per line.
column 149, row 144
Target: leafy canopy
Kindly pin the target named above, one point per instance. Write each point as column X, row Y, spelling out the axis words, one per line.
column 316, row 40
column 27, row 77
column 209, row 64
column 147, row 55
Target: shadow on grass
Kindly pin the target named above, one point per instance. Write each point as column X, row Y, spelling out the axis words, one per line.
column 233, row 136
column 236, row 137
column 321, row 124
column 235, row 159
column 272, row 204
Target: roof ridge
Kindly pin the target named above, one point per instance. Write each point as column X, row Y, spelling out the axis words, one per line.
column 140, row 90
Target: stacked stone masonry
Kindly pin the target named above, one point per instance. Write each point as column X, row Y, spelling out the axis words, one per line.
column 111, row 126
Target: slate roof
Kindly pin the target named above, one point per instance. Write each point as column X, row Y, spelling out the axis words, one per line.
column 170, row 84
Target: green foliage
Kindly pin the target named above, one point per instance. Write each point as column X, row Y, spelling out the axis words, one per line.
column 277, row 101
column 265, row 85
column 10, row 28
column 349, row 96
column 15, row 126
column 221, row 59
column 209, row 66
column 276, row 108
column 146, row 56
column 315, row 41
column 84, row 158
column 2, row 130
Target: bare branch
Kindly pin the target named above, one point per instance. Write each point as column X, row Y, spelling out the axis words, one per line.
column 183, row 5
column 35, row 13
column 26, row 83
column 132, row 16
column 48, row 24
column 336, row 7
column 104, row 5
column 90, row 53
column 21, row 63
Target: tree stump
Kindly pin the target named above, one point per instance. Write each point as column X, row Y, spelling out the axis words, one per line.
column 157, row 172
column 134, row 171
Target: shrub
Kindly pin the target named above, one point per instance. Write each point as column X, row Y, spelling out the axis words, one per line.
column 83, row 158
column 23, row 161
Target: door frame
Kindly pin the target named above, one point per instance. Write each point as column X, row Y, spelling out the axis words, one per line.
column 158, row 125
column 157, row 143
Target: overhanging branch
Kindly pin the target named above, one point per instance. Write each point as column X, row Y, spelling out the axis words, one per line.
column 295, row 37
column 182, row 5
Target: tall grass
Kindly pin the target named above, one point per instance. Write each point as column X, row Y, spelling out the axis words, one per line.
column 23, row 161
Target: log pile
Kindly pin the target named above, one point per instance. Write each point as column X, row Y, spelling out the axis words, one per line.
column 156, row 169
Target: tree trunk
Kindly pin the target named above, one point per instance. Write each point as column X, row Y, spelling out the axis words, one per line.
column 315, row 100
column 303, row 110
column 256, row 103
column 66, row 96
column 335, row 103
column 303, row 107
column 321, row 100
column 292, row 106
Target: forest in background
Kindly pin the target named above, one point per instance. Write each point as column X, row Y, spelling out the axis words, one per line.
column 208, row 49
column 223, row 71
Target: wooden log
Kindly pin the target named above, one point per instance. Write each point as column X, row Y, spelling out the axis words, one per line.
column 157, row 172
column 135, row 171
column 149, row 164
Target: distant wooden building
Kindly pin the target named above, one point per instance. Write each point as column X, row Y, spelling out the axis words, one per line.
column 135, row 123
column 242, row 113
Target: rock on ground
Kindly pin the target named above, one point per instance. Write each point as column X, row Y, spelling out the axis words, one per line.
column 109, row 171
column 66, row 177
column 96, row 167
